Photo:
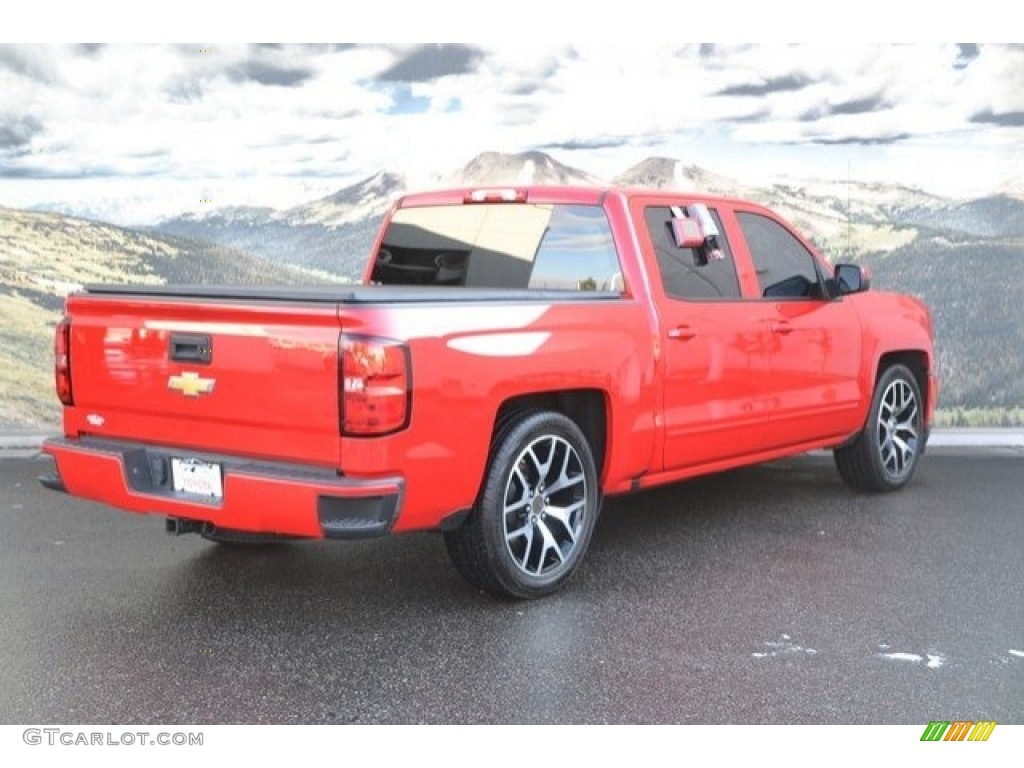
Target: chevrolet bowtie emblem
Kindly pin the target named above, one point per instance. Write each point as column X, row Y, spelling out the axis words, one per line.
column 191, row 384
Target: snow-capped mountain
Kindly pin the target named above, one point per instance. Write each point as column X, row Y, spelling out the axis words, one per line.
column 332, row 234
column 367, row 199
column 518, row 169
column 670, row 173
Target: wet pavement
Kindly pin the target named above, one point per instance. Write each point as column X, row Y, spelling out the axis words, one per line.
column 764, row 595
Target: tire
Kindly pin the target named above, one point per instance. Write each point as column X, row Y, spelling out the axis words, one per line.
column 885, row 454
column 235, row 538
column 536, row 512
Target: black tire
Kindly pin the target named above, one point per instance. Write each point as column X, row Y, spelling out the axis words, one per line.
column 234, row 538
column 533, row 521
column 885, row 454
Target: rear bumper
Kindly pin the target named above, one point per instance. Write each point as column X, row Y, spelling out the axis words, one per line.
column 257, row 496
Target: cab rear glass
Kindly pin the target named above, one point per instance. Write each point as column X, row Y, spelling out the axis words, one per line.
column 500, row 245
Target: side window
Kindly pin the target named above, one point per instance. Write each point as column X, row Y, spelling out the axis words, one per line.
column 684, row 273
column 785, row 268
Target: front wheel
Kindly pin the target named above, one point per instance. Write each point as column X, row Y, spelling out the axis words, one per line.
column 885, row 454
column 536, row 513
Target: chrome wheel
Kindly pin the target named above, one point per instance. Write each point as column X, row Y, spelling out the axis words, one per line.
column 884, row 454
column 544, row 505
column 536, row 511
column 899, row 424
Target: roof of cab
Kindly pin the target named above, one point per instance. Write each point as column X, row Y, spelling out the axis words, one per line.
column 544, row 194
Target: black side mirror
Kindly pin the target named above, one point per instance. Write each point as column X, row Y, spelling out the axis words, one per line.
column 850, row 278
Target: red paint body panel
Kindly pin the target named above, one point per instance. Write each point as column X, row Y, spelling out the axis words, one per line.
column 253, row 500
column 688, row 386
column 275, row 369
column 466, row 365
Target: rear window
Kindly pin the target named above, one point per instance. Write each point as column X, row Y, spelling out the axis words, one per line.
column 500, row 245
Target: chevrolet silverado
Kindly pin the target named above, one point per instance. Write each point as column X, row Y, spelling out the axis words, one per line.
column 511, row 357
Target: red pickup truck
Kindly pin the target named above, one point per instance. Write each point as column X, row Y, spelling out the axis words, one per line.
column 512, row 356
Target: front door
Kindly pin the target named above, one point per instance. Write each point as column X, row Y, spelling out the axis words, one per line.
column 814, row 382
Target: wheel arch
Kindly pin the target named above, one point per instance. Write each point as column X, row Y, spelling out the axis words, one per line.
column 587, row 408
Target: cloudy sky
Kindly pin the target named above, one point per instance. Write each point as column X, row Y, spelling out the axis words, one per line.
column 133, row 133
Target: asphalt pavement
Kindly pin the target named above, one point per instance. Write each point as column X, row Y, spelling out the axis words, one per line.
column 765, row 595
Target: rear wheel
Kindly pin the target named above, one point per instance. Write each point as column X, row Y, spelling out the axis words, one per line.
column 535, row 516
column 885, row 454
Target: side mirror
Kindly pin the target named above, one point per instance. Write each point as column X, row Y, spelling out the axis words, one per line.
column 851, row 278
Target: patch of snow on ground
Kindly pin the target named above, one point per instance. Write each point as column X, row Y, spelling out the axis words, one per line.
column 935, row 660
column 902, row 657
column 782, row 647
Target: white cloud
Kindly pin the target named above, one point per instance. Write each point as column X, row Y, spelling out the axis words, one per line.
column 232, row 117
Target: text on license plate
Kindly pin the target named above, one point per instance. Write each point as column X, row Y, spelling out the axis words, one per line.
column 199, row 477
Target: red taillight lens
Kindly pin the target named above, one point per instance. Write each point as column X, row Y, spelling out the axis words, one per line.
column 62, row 361
column 374, row 385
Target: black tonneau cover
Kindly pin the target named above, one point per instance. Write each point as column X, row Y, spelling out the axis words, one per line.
column 348, row 294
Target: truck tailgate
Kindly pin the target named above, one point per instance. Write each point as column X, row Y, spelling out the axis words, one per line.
column 248, row 378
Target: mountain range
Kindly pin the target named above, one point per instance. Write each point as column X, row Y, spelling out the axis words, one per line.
column 846, row 219
column 961, row 256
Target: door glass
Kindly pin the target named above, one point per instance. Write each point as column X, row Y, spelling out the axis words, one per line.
column 687, row 273
column 785, row 268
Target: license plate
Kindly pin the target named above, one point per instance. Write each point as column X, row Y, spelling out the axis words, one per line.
column 197, row 477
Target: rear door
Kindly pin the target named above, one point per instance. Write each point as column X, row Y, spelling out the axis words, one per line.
column 715, row 345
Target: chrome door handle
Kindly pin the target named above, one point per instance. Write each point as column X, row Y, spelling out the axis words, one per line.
column 682, row 333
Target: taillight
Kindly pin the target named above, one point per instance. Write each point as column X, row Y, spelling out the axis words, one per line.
column 374, row 385
column 62, row 361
